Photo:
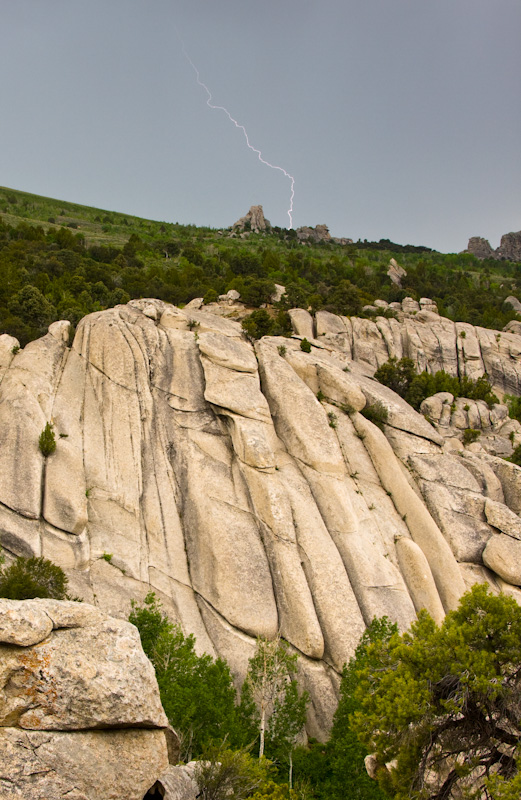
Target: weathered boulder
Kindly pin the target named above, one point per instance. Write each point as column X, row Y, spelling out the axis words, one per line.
column 80, row 765
column 503, row 555
column 513, row 302
column 180, row 782
column 396, row 272
column 90, row 672
column 80, row 715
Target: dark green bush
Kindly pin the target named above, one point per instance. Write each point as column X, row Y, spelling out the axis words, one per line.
column 376, row 413
column 32, row 577
column 259, row 323
column 470, row 435
column 515, row 458
column 305, row 345
column 514, row 406
column 47, row 441
column 402, row 378
column 211, row 296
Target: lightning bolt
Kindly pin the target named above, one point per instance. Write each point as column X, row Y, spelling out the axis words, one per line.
column 211, row 105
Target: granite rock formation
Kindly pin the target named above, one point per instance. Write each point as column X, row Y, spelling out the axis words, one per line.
column 254, row 221
column 80, row 715
column 210, row 472
column 509, row 248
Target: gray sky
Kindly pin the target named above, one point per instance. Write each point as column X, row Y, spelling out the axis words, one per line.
column 397, row 118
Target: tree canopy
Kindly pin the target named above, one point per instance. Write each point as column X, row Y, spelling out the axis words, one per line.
column 440, row 706
column 197, row 692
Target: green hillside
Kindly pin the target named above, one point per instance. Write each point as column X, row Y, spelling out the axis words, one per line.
column 61, row 260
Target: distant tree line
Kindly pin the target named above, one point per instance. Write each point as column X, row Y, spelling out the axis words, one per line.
column 55, row 272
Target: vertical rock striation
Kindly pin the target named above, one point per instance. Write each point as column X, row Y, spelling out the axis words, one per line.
column 194, row 464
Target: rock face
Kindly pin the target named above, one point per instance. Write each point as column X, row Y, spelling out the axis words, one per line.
column 192, row 463
column 80, row 715
column 480, row 248
column 509, row 248
column 254, row 221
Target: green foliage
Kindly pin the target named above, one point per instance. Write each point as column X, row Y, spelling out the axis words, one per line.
column 197, row 692
column 402, row 378
column 62, row 261
column 226, row 774
column 514, row 406
column 470, row 435
column 257, row 291
column 330, row 768
column 376, row 413
column 397, row 375
column 32, row 577
column 441, row 703
column 260, row 323
column 305, row 346
column 47, row 440
column 274, row 791
column 515, row 458
column 271, row 684
column 211, row 296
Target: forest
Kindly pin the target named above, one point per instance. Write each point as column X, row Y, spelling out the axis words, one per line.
column 62, row 261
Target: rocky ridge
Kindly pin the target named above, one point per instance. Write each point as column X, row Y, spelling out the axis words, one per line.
column 508, row 250
column 208, row 470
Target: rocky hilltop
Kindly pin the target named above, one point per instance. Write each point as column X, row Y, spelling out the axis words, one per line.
column 203, row 466
column 508, row 250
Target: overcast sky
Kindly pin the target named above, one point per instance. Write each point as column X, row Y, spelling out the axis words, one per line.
column 397, row 119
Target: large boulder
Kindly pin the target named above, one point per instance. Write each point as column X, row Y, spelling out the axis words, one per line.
column 80, row 715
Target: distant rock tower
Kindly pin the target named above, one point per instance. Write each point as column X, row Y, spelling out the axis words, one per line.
column 509, row 248
column 480, row 247
column 254, row 221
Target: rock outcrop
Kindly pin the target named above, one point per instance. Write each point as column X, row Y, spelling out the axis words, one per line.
column 510, row 246
column 508, row 250
column 196, row 464
column 320, row 233
column 80, row 715
column 480, row 248
column 254, row 221
column 396, row 272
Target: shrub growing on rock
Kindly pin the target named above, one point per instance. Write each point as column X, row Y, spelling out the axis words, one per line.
column 47, row 440
column 376, row 413
column 32, row 577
